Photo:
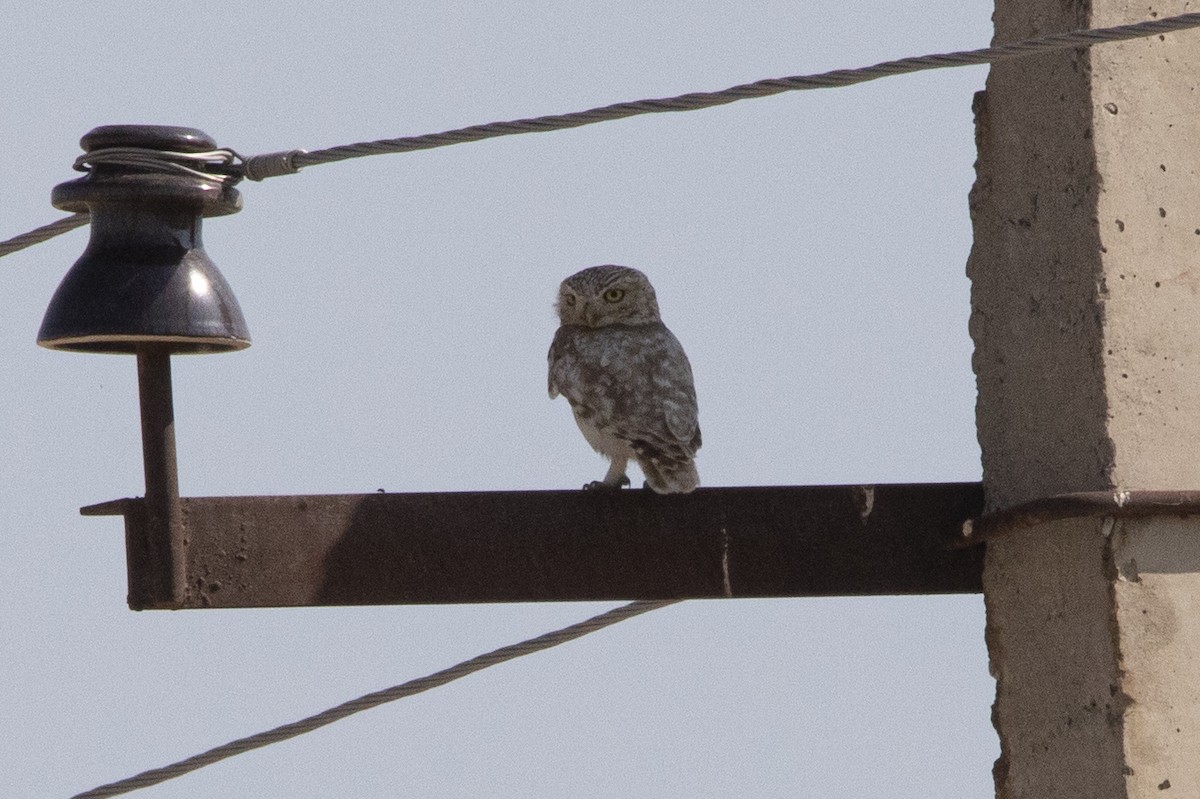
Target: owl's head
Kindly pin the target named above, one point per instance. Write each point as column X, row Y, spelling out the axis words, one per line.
column 607, row 295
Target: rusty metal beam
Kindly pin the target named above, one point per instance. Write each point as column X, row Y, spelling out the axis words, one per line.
column 562, row 545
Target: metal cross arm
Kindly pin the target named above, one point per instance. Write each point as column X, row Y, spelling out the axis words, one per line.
column 534, row 546
column 145, row 286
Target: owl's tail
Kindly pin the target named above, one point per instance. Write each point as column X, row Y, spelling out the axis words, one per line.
column 669, row 476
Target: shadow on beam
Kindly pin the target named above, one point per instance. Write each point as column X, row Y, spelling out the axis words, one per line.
column 536, row 546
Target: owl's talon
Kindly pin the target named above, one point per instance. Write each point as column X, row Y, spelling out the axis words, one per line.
column 600, row 485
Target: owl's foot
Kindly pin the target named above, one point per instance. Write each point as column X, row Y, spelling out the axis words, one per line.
column 604, row 485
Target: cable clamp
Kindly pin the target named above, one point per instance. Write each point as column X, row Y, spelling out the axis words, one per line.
column 271, row 165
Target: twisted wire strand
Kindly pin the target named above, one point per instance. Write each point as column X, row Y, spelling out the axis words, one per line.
column 43, row 233
column 288, row 162
column 368, row 701
column 211, row 165
column 763, row 88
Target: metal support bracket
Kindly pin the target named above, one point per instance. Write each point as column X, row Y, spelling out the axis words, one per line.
column 535, row 546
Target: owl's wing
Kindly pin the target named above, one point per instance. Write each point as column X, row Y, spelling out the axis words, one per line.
column 681, row 419
column 563, row 360
column 634, row 382
column 673, row 379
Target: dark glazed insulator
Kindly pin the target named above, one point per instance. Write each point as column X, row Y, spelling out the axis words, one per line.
column 145, row 278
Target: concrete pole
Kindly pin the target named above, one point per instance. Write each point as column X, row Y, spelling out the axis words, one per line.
column 1086, row 320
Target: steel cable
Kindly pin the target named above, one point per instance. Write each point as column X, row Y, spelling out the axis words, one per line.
column 375, row 699
column 287, row 162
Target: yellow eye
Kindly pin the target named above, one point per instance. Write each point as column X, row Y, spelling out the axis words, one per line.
column 614, row 295
column 569, row 300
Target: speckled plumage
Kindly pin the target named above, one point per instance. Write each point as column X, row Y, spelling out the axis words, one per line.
column 626, row 377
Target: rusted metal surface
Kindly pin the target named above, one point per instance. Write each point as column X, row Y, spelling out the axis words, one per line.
column 1116, row 503
column 160, row 537
column 564, row 545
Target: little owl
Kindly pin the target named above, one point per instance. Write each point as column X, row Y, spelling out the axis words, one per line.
column 627, row 378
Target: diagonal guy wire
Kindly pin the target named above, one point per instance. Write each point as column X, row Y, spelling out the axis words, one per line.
column 288, row 162
column 43, row 233
column 746, row 91
column 282, row 733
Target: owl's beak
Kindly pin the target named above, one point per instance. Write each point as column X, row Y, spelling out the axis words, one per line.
column 589, row 314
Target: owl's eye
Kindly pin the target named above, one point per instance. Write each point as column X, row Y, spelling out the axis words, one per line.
column 614, row 295
column 569, row 300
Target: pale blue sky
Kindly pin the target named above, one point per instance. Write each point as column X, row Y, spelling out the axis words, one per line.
column 808, row 249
